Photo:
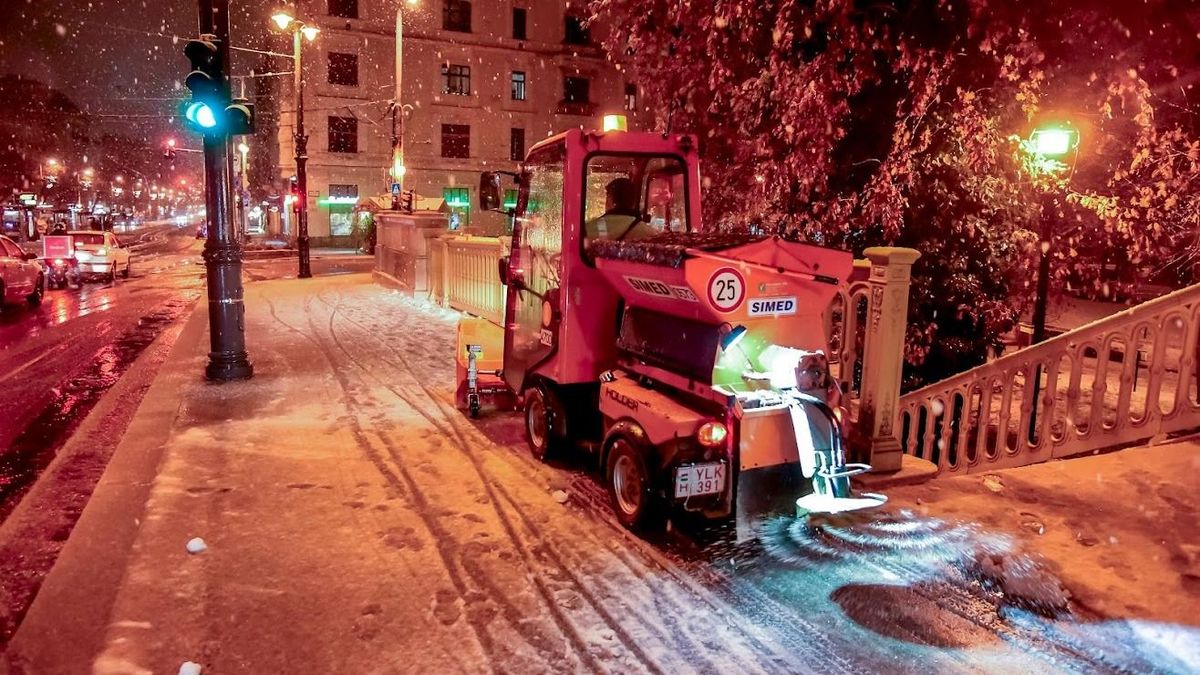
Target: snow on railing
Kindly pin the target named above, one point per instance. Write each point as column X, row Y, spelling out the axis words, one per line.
column 1121, row 380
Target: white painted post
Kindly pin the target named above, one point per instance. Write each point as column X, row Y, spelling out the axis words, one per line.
column 883, row 352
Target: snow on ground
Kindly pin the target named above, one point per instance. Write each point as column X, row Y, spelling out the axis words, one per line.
column 1120, row 529
column 356, row 522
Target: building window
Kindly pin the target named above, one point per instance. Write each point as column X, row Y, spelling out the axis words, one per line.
column 518, row 85
column 456, row 140
column 343, row 134
column 520, row 14
column 576, row 89
column 342, row 199
column 345, row 9
column 459, row 201
column 631, row 97
column 456, row 80
column 343, row 69
column 576, row 31
column 456, row 15
column 516, row 145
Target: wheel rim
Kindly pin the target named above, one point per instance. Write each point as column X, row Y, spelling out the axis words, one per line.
column 535, row 421
column 627, row 484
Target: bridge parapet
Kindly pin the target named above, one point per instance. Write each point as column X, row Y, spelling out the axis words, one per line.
column 1125, row 379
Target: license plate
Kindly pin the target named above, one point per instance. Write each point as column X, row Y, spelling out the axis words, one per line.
column 699, row 479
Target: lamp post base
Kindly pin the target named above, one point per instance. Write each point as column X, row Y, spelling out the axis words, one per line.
column 228, row 366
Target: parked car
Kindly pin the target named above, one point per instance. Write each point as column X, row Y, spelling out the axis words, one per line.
column 21, row 276
column 101, row 253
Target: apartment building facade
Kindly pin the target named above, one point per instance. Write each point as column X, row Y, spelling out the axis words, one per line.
column 482, row 82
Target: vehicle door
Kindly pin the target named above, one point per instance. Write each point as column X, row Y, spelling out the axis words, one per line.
column 18, row 279
column 536, row 259
column 120, row 253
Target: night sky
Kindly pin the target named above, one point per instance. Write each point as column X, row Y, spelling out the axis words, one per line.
column 111, row 57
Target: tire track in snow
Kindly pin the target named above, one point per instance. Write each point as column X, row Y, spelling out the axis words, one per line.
column 397, row 480
column 492, row 488
column 510, row 612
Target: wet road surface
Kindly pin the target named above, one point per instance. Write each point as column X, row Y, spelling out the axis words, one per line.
column 57, row 360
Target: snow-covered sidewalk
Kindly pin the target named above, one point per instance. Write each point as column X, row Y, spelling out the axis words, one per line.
column 354, row 522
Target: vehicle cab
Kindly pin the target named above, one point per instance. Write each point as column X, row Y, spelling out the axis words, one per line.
column 565, row 202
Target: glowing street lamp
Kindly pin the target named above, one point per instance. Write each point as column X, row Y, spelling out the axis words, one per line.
column 285, row 21
column 1053, row 141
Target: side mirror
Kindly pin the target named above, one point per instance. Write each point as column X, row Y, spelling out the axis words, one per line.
column 31, row 256
column 489, row 191
column 503, row 270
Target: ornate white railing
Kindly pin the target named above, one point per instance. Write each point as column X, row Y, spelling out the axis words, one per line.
column 846, row 328
column 1121, row 380
column 464, row 274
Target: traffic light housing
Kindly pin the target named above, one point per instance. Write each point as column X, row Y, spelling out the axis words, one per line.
column 206, row 81
column 211, row 110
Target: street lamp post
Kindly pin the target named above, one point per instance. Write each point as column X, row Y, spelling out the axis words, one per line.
column 398, row 170
column 1047, row 146
column 299, row 28
column 243, row 184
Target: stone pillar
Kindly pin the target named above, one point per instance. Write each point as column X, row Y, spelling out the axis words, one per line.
column 883, row 352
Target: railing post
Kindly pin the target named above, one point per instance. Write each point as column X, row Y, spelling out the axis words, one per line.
column 883, row 352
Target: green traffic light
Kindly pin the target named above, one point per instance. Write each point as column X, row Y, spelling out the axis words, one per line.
column 200, row 114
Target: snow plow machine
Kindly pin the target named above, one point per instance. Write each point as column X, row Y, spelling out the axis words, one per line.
column 690, row 363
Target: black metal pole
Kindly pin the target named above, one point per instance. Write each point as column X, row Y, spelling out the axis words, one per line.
column 1049, row 213
column 305, row 271
column 227, row 358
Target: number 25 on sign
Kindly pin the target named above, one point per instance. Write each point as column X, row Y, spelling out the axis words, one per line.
column 726, row 289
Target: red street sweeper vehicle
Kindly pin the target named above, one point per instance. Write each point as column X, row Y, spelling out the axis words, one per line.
column 690, row 361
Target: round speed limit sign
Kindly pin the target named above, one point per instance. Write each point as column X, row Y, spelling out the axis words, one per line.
column 726, row 289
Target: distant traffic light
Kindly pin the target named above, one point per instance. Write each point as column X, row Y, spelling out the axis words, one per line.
column 169, row 149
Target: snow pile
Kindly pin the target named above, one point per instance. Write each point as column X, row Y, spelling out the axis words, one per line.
column 669, row 248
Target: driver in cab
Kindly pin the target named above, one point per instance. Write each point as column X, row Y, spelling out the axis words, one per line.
column 621, row 220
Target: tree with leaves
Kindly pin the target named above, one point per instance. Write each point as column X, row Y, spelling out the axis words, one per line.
column 856, row 124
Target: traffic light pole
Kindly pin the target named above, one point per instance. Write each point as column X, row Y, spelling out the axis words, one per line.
column 301, row 138
column 227, row 358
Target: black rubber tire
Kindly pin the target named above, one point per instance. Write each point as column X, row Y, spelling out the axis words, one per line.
column 35, row 298
column 125, row 272
column 544, row 420
column 111, row 277
column 631, row 488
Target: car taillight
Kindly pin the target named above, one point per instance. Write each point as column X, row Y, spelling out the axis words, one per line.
column 712, row 434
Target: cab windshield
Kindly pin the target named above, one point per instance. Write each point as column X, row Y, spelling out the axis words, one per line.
column 630, row 197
